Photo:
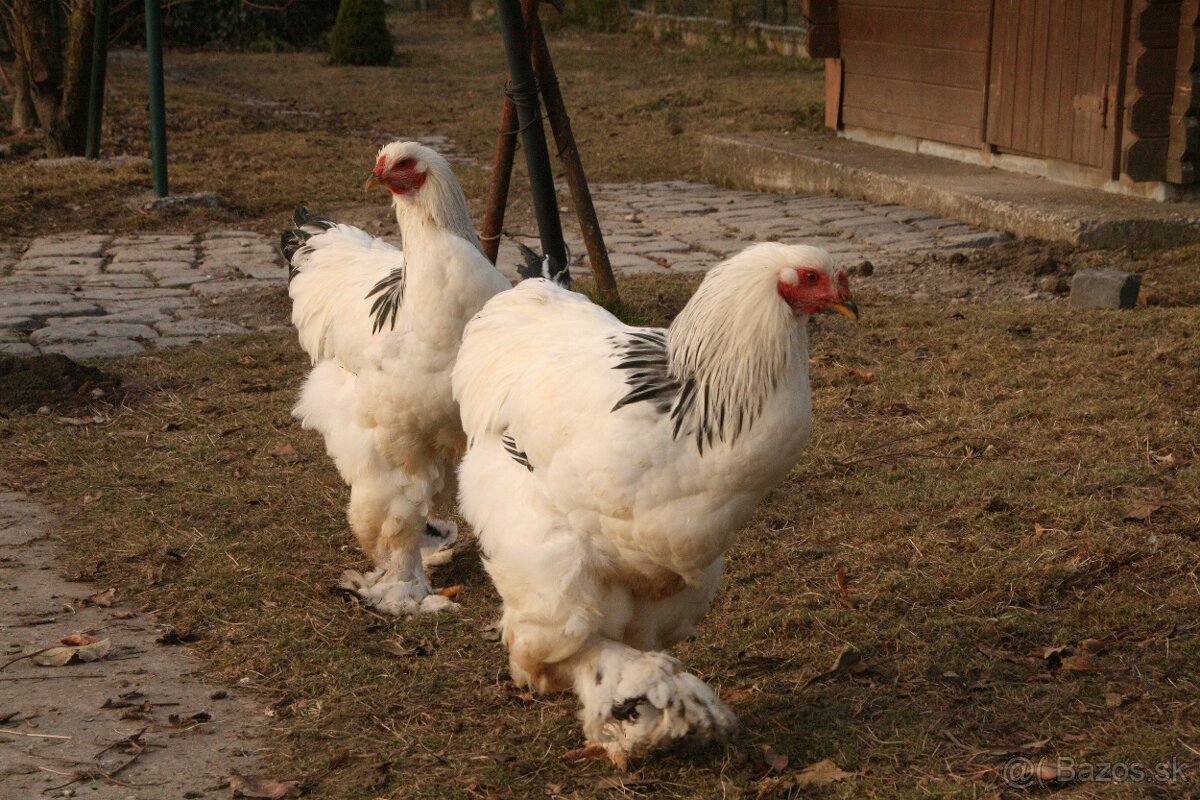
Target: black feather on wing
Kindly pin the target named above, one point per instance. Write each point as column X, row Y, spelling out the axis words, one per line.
column 518, row 455
column 294, row 242
column 390, row 291
column 643, row 357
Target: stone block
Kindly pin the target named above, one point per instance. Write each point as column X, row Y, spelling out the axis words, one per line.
column 216, row 288
column 200, row 327
column 73, row 266
column 98, row 348
column 149, row 266
column 183, row 280
column 230, row 235
column 90, row 330
column 85, row 246
column 11, row 347
column 1105, row 288
column 152, row 254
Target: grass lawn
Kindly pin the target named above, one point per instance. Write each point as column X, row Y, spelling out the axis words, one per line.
column 999, row 510
column 1009, row 481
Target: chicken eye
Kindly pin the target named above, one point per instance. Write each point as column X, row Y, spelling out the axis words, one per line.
column 811, row 277
column 404, row 163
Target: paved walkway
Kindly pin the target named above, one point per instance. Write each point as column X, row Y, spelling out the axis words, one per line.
column 142, row 714
column 93, row 295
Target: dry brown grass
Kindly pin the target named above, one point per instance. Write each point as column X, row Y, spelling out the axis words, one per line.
column 973, row 492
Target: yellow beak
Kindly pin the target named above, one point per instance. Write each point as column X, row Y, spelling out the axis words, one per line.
column 846, row 308
column 372, row 182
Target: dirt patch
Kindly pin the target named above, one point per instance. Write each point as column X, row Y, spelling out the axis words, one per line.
column 265, row 309
column 1169, row 277
column 53, row 381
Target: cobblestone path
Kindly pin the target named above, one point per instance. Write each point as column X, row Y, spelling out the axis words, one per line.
column 93, row 295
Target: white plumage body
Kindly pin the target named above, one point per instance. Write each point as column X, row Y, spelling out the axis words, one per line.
column 603, row 521
column 383, row 328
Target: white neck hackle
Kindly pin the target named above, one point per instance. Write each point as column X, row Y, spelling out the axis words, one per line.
column 736, row 338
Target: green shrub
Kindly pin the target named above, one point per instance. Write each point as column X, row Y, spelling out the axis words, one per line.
column 234, row 23
column 360, row 35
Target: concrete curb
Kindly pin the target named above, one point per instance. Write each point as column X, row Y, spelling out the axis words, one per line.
column 1020, row 204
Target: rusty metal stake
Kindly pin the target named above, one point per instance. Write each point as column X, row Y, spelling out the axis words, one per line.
column 564, row 139
column 502, row 164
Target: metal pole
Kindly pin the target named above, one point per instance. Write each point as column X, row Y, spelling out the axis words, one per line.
column 524, row 94
column 99, row 62
column 564, row 139
column 158, row 103
column 502, row 163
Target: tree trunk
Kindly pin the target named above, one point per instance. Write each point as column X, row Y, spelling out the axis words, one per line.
column 24, row 118
column 57, row 66
column 77, row 76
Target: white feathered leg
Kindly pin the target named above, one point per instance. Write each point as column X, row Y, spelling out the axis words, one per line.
column 635, row 702
column 562, row 621
column 392, row 529
column 388, row 506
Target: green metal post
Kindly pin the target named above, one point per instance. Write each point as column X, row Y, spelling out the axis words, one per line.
column 96, row 98
column 158, row 103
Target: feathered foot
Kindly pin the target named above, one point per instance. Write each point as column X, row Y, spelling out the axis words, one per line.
column 399, row 588
column 636, row 702
column 437, row 542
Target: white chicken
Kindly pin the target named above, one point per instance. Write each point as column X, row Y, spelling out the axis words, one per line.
column 382, row 328
column 609, row 466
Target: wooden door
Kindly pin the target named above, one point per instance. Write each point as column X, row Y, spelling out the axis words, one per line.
column 1054, row 78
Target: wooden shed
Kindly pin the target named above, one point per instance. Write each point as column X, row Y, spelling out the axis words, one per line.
column 1094, row 92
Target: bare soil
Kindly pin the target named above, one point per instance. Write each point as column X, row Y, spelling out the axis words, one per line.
column 54, row 382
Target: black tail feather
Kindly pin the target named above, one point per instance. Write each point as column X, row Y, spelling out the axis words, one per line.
column 291, row 242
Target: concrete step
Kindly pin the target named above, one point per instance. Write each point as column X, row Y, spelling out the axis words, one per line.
column 1020, row 204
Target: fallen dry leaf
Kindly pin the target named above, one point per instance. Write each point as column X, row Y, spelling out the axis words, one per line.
column 66, row 654
column 843, row 585
column 451, row 591
column 1140, row 511
column 1080, row 662
column 848, row 662
column 900, row 409
column 866, row 376
column 258, row 786
column 284, row 452
column 104, row 599
column 173, row 636
column 735, row 695
column 776, row 762
column 77, row 639
column 54, row 657
column 586, row 753
column 822, row 773
column 80, row 422
column 1026, row 749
